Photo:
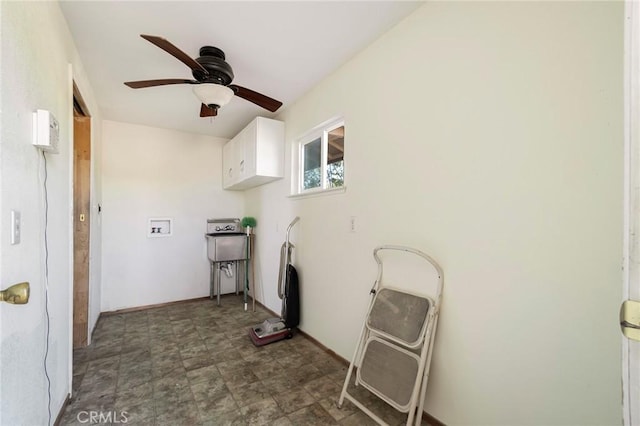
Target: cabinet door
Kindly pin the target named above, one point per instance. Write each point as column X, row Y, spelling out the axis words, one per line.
column 238, row 156
column 268, row 155
column 250, row 141
column 229, row 170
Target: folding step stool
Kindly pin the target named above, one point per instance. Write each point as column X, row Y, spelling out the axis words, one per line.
column 394, row 350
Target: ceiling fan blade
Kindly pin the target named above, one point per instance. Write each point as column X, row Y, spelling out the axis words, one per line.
column 255, row 97
column 205, row 111
column 175, row 52
column 150, row 83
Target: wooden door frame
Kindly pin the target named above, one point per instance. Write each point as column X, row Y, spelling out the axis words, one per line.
column 81, row 219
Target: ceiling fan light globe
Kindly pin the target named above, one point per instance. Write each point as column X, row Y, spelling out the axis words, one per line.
column 212, row 94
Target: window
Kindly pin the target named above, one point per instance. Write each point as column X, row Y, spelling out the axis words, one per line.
column 321, row 164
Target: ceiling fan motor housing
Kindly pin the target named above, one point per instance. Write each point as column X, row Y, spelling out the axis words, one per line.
column 213, row 60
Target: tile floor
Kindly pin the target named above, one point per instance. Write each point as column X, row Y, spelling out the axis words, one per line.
column 192, row 363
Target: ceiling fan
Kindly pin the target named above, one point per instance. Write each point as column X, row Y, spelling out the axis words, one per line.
column 213, row 77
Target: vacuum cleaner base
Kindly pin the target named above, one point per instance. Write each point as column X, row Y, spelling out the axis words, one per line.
column 269, row 331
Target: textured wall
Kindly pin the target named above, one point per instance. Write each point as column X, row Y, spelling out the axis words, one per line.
column 488, row 134
column 150, row 172
column 36, row 75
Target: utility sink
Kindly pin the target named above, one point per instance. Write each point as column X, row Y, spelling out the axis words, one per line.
column 227, row 247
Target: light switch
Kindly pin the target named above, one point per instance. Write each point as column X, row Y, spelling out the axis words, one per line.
column 15, row 227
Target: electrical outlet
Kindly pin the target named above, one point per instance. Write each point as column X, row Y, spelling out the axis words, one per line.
column 15, row 227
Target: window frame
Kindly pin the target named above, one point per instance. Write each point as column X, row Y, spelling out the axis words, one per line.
column 321, row 132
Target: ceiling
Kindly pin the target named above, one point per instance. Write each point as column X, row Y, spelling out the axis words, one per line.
column 280, row 49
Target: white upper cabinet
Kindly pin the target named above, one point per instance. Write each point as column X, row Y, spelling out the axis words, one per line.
column 254, row 156
column 228, row 175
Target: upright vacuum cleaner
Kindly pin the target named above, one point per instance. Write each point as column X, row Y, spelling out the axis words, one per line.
column 275, row 329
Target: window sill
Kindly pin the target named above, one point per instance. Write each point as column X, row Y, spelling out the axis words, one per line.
column 319, row 193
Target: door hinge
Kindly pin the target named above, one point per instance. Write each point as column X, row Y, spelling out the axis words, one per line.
column 630, row 319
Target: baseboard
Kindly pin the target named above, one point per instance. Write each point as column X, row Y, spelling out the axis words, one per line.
column 325, row 349
column 62, row 409
column 430, row 420
column 267, row 309
column 145, row 307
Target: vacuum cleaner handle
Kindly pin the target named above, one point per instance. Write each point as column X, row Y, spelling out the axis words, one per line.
column 285, row 259
column 293, row 222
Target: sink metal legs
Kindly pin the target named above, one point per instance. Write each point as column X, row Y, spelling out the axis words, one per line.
column 214, row 279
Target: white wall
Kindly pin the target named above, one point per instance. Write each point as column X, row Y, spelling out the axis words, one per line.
column 488, row 134
column 36, row 51
column 150, row 172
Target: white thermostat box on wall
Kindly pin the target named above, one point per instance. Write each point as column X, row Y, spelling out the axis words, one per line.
column 46, row 131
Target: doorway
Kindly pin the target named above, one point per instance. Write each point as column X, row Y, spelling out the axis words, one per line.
column 81, row 218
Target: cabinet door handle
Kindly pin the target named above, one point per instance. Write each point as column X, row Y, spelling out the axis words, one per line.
column 230, row 169
column 242, row 166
